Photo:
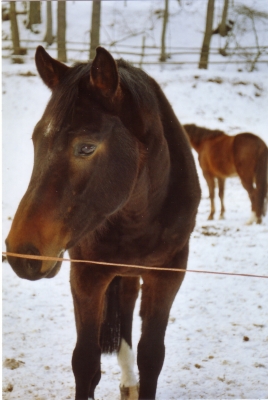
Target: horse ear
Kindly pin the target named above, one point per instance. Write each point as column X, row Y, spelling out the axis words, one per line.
column 50, row 70
column 104, row 73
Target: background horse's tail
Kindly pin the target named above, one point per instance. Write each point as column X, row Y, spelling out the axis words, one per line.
column 262, row 181
column 110, row 335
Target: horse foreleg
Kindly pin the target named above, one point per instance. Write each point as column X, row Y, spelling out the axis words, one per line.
column 129, row 383
column 128, row 294
column 211, row 187
column 86, row 364
column 88, row 296
column 221, row 183
column 158, row 292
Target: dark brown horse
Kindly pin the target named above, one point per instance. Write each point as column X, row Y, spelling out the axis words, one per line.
column 114, row 180
column 221, row 156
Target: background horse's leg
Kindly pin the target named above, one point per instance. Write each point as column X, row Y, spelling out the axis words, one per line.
column 211, row 187
column 261, row 178
column 221, row 182
column 158, row 292
column 251, row 160
column 129, row 290
column 88, row 296
column 247, row 182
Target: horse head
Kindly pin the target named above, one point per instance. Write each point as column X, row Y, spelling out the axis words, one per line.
column 85, row 163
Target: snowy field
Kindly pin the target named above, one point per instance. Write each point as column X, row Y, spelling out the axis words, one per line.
column 217, row 336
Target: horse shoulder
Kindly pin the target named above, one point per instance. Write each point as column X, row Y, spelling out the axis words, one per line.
column 203, row 156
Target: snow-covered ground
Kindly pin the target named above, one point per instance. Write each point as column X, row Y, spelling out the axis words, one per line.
column 217, row 337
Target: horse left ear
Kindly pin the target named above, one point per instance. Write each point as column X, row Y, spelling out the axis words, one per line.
column 50, row 70
column 104, row 73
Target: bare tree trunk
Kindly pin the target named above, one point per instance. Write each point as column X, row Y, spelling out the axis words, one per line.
column 95, row 27
column 34, row 16
column 61, row 35
column 203, row 63
column 163, row 55
column 49, row 33
column 253, row 64
column 223, row 28
column 14, row 29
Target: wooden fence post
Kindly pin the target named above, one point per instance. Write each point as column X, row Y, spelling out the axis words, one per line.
column 142, row 50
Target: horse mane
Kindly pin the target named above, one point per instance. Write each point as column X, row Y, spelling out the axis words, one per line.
column 138, row 84
column 198, row 134
column 76, row 80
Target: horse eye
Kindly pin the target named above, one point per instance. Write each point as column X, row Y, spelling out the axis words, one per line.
column 85, row 149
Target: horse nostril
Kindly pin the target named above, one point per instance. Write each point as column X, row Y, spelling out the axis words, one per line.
column 31, row 265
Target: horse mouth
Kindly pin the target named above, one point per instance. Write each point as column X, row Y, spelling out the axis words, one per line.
column 55, row 269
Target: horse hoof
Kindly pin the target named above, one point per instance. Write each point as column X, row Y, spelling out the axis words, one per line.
column 129, row 393
column 253, row 218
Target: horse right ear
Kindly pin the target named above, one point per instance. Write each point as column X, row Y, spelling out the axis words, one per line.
column 104, row 73
column 50, row 70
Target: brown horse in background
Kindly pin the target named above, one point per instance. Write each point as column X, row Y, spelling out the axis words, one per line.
column 222, row 156
column 114, row 180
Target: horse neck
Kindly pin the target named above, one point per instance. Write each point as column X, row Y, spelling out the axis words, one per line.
column 150, row 190
column 197, row 140
column 192, row 137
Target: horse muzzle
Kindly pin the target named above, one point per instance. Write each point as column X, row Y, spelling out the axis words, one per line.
column 31, row 269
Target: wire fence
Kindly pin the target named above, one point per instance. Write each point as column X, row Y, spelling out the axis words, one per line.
column 137, row 267
column 146, row 55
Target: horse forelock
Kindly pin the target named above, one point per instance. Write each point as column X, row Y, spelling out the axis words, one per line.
column 62, row 104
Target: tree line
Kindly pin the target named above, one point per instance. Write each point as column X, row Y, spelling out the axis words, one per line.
column 33, row 11
column 34, row 17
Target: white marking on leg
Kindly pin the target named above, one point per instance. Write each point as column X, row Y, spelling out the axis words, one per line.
column 126, row 361
column 253, row 218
